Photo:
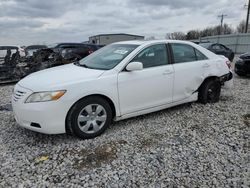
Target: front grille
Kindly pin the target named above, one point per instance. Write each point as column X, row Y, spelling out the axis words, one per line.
column 18, row 95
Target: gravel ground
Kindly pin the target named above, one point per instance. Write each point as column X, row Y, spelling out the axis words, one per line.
column 191, row 145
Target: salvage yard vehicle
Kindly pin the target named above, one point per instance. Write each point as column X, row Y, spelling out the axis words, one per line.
column 30, row 50
column 119, row 81
column 63, row 53
column 11, row 67
column 242, row 65
column 219, row 49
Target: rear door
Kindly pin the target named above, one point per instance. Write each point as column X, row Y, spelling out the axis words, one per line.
column 190, row 67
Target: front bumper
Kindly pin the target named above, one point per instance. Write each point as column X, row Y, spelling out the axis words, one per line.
column 50, row 116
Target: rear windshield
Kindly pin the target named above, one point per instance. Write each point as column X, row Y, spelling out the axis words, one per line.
column 205, row 45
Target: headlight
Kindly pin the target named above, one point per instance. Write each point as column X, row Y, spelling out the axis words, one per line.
column 45, row 96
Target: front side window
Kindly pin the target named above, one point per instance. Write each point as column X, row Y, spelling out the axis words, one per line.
column 183, row 53
column 107, row 57
column 153, row 56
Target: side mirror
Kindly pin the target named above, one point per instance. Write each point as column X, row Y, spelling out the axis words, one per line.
column 134, row 66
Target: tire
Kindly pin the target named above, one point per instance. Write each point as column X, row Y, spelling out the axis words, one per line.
column 209, row 91
column 84, row 121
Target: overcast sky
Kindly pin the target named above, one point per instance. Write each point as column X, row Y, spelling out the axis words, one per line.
column 47, row 21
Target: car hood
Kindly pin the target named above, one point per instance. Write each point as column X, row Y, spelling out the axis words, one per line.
column 57, row 77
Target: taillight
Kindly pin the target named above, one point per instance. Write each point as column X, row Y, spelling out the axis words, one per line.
column 228, row 64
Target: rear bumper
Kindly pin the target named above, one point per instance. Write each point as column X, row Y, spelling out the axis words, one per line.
column 227, row 81
column 226, row 77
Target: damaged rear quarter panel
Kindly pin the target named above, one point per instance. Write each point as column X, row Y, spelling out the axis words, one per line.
column 188, row 77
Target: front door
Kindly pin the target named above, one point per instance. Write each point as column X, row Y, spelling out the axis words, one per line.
column 150, row 87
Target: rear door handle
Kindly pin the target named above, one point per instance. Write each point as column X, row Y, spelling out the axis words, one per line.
column 168, row 71
column 206, row 65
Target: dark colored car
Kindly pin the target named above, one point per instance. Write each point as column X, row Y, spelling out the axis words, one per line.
column 11, row 66
column 219, row 49
column 64, row 53
column 242, row 65
column 16, row 64
column 93, row 47
column 30, row 50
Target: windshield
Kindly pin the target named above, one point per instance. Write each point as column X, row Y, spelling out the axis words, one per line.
column 108, row 57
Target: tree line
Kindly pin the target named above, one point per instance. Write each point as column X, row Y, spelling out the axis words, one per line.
column 209, row 31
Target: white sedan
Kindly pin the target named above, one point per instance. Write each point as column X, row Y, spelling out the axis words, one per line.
column 119, row 81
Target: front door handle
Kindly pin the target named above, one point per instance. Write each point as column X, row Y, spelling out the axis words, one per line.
column 166, row 72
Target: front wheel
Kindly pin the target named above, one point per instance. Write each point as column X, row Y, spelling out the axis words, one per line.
column 209, row 91
column 89, row 117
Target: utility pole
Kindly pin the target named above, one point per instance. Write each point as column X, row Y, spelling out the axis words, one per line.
column 221, row 21
column 246, row 28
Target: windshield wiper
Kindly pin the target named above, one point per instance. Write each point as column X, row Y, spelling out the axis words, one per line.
column 77, row 63
column 84, row 65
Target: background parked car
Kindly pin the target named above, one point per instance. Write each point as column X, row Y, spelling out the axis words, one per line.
column 242, row 65
column 64, row 53
column 30, row 50
column 11, row 66
column 219, row 49
column 93, row 47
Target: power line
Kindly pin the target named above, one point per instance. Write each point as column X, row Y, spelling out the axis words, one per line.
column 246, row 28
column 221, row 21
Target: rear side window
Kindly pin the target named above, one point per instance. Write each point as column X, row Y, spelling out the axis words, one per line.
column 185, row 53
column 200, row 56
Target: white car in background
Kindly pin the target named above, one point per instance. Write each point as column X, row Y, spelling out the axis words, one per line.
column 119, row 81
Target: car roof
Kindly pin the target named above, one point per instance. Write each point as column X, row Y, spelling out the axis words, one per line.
column 8, row 47
column 145, row 42
column 34, row 46
column 58, row 45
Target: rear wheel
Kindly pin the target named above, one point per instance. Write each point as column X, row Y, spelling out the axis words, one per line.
column 209, row 91
column 89, row 117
